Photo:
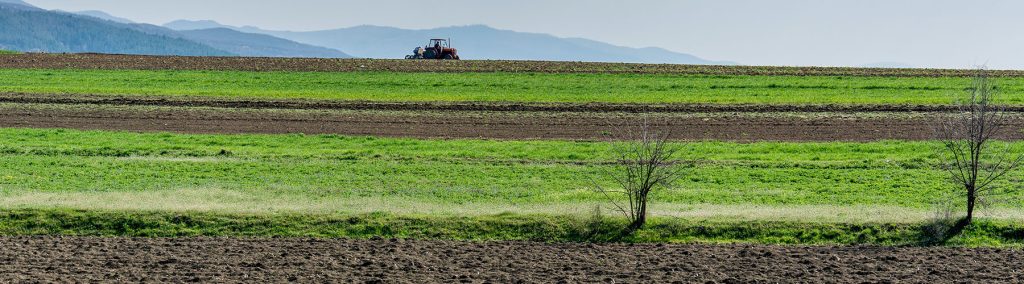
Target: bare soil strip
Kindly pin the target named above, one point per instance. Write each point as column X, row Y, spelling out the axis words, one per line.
column 142, row 62
column 517, row 125
column 490, row 125
column 193, row 101
column 92, row 259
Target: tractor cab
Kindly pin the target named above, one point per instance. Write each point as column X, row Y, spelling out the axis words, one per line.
column 436, row 49
column 439, row 43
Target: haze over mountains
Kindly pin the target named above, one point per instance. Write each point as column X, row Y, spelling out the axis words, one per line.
column 473, row 42
column 19, row 2
column 105, row 16
column 26, row 28
column 252, row 44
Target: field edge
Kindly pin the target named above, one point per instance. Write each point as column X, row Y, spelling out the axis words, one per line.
column 500, row 227
column 34, row 60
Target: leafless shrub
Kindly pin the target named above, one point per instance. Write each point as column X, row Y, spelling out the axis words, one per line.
column 645, row 162
column 940, row 227
column 594, row 224
column 973, row 162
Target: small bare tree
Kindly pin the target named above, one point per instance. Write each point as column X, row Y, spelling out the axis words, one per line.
column 645, row 162
column 973, row 162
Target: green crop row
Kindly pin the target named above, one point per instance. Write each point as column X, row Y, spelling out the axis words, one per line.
column 504, row 87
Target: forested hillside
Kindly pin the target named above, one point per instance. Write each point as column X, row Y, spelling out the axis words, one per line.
column 26, row 28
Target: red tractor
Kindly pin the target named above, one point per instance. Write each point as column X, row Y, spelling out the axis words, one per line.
column 436, row 49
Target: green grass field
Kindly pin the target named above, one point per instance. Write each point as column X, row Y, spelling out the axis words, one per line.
column 503, row 87
column 326, row 173
column 56, row 181
column 441, row 185
column 4, row 52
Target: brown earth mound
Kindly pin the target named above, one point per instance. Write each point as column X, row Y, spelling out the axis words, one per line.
column 142, row 62
column 87, row 259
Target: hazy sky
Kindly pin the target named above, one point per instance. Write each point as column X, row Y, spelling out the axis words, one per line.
column 922, row 33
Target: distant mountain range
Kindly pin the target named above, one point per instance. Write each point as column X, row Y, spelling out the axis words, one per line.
column 184, row 25
column 105, row 16
column 473, row 42
column 27, row 28
column 252, row 44
column 24, row 27
column 19, row 2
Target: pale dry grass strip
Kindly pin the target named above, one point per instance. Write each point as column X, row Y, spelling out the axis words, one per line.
column 219, row 200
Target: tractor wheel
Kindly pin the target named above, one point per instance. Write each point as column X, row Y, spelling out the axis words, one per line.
column 448, row 57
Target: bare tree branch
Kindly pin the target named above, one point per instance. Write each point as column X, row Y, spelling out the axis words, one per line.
column 645, row 162
column 967, row 136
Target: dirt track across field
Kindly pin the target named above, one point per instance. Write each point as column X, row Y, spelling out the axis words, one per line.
column 89, row 259
column 142, row 62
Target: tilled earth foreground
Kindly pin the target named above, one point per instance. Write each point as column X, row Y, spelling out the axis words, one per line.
column 91, row 259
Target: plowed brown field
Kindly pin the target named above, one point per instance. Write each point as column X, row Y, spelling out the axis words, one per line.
column 142, row 62
column 473, row 120
column 53, row 259
column 453, row 124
